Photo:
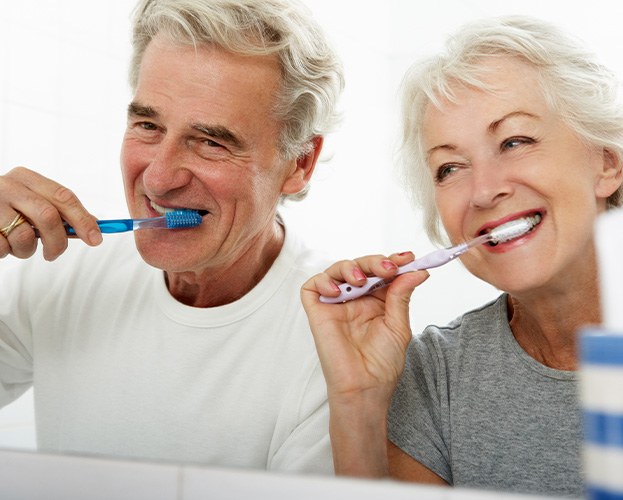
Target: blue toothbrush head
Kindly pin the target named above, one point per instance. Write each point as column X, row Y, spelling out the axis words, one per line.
column 180, row 219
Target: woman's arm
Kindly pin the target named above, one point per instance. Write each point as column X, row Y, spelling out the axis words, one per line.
column 361, row 345
column 404, row 467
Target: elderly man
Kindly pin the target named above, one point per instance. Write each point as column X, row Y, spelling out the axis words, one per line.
column 185, row 344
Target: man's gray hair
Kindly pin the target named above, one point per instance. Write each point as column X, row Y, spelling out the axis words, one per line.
column 312, row 77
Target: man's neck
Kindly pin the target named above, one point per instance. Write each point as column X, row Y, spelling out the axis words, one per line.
column 224, row 285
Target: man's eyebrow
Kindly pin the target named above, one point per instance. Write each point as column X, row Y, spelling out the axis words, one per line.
column 137, row 109
column 220, row 133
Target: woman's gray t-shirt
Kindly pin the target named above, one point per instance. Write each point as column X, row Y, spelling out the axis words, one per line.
column 477, row 410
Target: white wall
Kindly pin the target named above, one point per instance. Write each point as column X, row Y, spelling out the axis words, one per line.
column 63, row 96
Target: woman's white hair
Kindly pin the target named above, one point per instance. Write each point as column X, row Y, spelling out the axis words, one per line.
column 582, row 91
column 312, row 77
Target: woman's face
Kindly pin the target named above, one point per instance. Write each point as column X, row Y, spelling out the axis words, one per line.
column 500, row 156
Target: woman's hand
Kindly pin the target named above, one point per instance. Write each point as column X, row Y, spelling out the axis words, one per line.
column 42, row 204
column 361, row 345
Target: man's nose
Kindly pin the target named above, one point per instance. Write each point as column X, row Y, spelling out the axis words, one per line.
column 166, row 170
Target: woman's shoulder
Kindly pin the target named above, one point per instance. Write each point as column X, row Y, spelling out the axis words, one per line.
column 478, row 321
column 476, row 334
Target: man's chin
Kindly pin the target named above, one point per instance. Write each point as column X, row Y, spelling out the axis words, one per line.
column 161, row 253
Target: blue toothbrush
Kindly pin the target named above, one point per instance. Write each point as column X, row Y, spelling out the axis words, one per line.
column 177, row 219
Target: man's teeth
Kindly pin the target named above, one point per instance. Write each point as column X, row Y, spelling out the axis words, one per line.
column 163, row 210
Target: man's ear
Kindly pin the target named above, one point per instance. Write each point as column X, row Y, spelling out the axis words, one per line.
column 303, row 168
column 611, row 175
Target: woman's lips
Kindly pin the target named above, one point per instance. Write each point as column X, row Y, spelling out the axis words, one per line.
column 489, row 226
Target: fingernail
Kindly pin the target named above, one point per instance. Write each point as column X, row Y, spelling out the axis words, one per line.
column 404, row 253
column 335, row 287
column 388, row 264
column 358, row 274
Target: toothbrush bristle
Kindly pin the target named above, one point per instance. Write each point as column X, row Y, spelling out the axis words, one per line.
column 513, row 229
column 180, row 219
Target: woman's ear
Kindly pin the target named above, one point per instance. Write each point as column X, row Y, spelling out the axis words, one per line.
column 303, row 168
column 611, row 175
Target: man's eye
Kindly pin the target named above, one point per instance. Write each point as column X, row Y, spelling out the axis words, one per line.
column 212, row 144
column 147, row 126
column 208, row 148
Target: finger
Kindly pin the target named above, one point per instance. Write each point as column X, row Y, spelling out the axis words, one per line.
column 14, row 235
column 47, row 204
column 356, row 270
column 320, row 284
column 402, row 258
column 21, row 241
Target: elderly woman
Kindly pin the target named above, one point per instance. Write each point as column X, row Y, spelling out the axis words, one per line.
column 516, row 120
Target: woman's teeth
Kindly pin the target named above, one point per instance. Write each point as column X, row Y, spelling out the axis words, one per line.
column 514, row 229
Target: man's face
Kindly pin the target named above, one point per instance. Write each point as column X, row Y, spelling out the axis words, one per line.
column 201, row 134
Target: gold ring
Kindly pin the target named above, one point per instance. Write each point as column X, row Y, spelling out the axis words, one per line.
column 19, row 219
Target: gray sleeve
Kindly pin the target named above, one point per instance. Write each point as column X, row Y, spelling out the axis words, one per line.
column 415, row 422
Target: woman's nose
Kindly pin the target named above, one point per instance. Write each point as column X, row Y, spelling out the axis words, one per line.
column 166, row 170
column 490, row 185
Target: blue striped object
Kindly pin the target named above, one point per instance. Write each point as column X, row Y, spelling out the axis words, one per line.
column 601, row 391
column 600, row 348
column 603, row 429
column 595, row 493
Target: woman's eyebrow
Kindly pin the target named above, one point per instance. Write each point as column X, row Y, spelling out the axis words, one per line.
column 447, row 147
column 495, row 125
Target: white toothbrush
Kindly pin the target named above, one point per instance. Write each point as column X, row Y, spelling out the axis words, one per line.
column 502, row 233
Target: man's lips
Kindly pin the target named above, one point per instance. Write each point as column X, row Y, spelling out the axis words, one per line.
column 161, row 210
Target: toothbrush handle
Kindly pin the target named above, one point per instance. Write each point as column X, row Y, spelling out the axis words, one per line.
column 107, row 226
column 433, row 259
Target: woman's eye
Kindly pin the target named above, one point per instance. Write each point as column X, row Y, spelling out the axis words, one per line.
column 444, row 171
column 513, row 142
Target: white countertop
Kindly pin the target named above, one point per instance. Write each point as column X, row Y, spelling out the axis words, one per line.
column 27, row 475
